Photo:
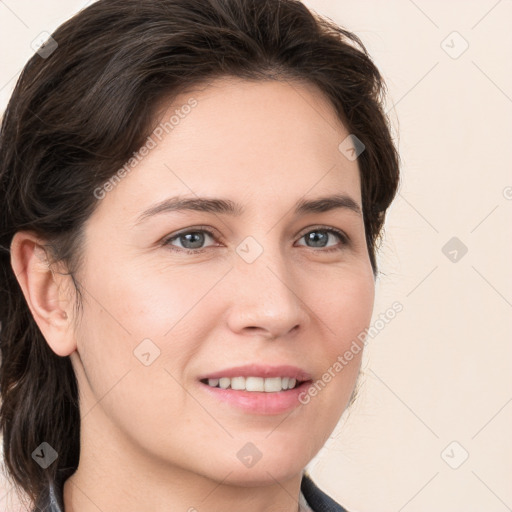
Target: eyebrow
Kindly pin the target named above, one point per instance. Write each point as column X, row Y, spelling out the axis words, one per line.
column 228, row 207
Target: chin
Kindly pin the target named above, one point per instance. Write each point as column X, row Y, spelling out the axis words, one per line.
column 261, row 473
column 262, row 476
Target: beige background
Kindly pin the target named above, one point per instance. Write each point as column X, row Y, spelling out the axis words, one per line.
column 436, row 385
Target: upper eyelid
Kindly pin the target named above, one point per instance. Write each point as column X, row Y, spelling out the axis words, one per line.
column 194, row 229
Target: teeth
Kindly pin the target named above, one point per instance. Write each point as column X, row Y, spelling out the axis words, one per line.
column 269, row 385
column 224, row 383
column 238, row 383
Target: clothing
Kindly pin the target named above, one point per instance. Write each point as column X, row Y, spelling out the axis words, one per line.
column 312, row 499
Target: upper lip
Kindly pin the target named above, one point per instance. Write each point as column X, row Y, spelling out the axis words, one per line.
column 258, row 370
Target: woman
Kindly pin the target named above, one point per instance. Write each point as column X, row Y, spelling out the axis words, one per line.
column 192, row 194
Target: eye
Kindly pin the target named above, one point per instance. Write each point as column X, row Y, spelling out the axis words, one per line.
column 192, row 240
column 320, row 235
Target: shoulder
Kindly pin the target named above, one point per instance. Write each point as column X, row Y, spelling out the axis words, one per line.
column 316, row 498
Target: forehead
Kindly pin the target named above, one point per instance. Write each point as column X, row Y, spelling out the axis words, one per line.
column 237, row 138
column 266, row 119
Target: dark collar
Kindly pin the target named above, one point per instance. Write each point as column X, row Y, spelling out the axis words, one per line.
column 317, row 499
column 52, row 501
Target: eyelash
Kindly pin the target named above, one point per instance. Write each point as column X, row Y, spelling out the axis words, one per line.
column 202, row 229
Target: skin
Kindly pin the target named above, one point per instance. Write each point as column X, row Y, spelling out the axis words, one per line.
column 151, row 438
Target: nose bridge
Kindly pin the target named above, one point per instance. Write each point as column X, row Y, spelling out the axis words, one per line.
column 264, row 293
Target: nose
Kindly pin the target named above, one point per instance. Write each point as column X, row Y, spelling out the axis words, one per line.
column 266, row 296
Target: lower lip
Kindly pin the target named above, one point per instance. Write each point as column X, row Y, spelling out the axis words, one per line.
column 260, row 402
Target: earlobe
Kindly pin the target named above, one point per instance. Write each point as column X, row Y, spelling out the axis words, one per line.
column 42, row 289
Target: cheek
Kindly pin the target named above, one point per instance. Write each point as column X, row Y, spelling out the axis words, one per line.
column 117, row 339
column 346, row 307
column 148, row 301
column 147, row 315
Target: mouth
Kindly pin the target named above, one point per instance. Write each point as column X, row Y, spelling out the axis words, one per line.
column 256, row 395
column 261, row 389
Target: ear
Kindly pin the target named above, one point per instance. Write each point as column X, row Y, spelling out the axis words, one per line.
column 44, row 290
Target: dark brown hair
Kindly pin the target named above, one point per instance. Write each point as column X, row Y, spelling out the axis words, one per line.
column 78, row 113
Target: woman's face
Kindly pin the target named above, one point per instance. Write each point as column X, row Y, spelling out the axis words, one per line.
column 269, row 286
